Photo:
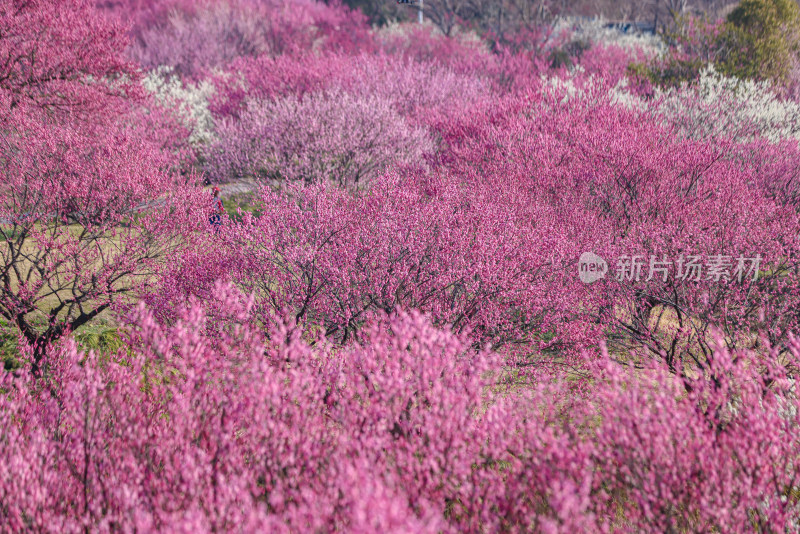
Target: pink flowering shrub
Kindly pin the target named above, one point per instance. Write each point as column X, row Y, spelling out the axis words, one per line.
column 565, row 177
column 141, row 14
column 195, row 432
column 395, row 338
column 776, row 170
column 50, row 48
column 199, row 37
column 335, row 136
column 409, row 430
column 91, row 202
column 269, row 78
column 414, row 89
column 464, row 54
column 330, row 259
column 643, row 192
column 210, row 37
column 708, row 453
column 611, row 62
column 689, row 203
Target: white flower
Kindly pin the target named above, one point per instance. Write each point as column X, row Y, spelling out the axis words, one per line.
column 190, row 102
column 718, row 106
column 575, row 86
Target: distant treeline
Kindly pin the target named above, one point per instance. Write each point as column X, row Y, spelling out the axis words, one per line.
column 501, row 17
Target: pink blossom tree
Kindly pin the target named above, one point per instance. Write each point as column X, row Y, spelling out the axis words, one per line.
column 330, row 259
column 90, row 203
column 412, row 429
column 218, row 445
column 414, row 88
column 197, row 37
column 647, row 194
column 334, row 136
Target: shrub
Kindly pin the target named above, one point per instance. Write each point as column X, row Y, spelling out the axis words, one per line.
column 474, row 260
column 196, row 39
column 227, row 431
column 335, row 136
column 415, row 90
column 188, row 100
column 761, row 40
column 412, row 430
column 624, row 185
column 719, row 107
column 90, row 201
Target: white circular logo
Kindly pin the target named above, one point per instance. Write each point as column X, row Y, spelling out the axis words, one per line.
column 591, row 267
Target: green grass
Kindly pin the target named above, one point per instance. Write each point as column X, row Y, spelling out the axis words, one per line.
column 9, row 347
column 246, row 202
column 100, row 337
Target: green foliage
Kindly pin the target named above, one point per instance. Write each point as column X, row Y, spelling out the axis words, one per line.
column 670, row 72
column 567, row 55
column 761, row 39
column 103, row 339
column 246, row 202
column 100, row 338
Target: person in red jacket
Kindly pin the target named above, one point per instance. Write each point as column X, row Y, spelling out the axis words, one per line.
column 217, row 209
